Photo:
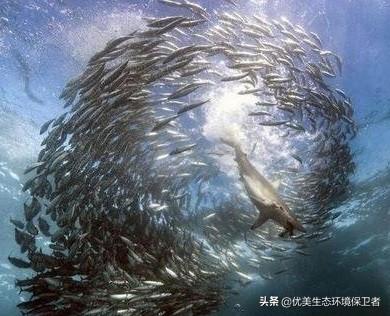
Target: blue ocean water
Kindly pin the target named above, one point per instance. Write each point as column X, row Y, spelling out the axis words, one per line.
column 56, row 38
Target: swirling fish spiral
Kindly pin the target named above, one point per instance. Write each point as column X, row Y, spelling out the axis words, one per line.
column 127, row 187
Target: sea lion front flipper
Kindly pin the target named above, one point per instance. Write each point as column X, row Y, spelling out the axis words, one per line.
column 284, row 233
column 260, row 220
column 288, row 230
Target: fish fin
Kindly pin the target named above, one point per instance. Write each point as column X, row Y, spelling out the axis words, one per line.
column 260, row 221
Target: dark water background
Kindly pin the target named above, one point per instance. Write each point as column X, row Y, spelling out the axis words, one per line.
column 57, row 38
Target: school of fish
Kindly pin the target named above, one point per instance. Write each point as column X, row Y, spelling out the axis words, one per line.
column 117, row 222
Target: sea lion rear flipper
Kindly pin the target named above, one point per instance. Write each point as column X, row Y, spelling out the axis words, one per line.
column 260, row 221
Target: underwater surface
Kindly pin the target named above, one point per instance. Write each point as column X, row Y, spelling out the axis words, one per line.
column 44, row 44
